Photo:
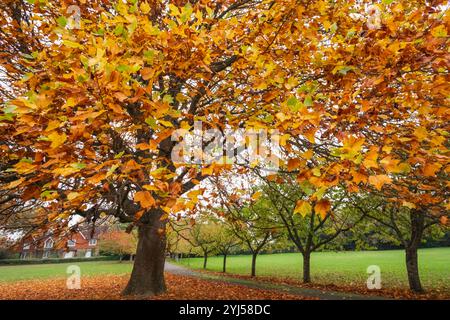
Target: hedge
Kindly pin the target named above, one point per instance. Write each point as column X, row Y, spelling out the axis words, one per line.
column 10, row 262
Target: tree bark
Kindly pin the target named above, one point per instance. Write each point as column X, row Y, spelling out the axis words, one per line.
column 412, row 267
column 306, row 267
column 224, row 269
column 417, row 218
column 254, row 255
column 205, row 260
column 147, row 277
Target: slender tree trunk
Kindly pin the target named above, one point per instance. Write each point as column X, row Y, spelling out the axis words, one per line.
column 412, row 262
column 254, row 255
column 307, row 267
column 224, row 269
column 205, row 260
column 412, row 267
column 147, row 277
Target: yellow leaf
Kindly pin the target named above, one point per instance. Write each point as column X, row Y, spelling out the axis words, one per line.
column 303, row 207
column 370, row 160
column 57, row 139
column 351, row 147
column 439, row 31
column 73, row 195
column 150, row 187
column 208, row 171
column 145, row 199
column 379, row 180
column 72, row 44
column 408, row 204
column 421, row 133
column 145, row 7
column 52, row 125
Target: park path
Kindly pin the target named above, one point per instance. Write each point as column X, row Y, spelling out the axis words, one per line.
column 294, row 290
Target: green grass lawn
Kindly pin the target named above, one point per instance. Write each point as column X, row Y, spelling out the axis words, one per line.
column 326, row 267
column 341, row 267
column 58, row 270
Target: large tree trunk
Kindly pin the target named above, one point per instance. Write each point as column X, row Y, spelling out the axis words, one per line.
column 205, row 260
column 307, row 267
column 224, row 269
column 147, row 277
column 254, row 255
column 412, row 267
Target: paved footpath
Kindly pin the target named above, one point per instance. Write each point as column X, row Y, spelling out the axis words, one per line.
column 304, row 292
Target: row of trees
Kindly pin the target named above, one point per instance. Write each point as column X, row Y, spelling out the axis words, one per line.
column 275, row 214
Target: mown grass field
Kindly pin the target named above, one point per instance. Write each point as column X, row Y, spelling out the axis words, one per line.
column 59, row 270
column 349, row 268
column 341, row 268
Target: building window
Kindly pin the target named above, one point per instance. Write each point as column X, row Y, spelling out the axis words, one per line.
column 71, row 243
column 26, row 247
column 48, row 244
column 92, row 242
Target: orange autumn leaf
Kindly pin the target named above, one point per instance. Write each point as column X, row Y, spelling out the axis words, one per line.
column 322, row 207
column 145, row 199
column 379, row 181
column 293, row 164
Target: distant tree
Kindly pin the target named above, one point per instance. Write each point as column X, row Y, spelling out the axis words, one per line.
column 203, row 237
column 226, row 241
column 119, row 243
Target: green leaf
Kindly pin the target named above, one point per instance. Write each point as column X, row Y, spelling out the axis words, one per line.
column 78, row 165
column 308, row 101
column 151, row 122
column 119, row 30
column 62, row 21
column 123, row 68
column 119, row 155
column 168, row 99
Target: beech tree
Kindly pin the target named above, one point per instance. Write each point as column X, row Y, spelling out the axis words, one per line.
column 92, row 96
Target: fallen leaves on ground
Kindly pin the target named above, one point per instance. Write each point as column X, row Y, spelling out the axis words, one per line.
column 109, row 288
column 396, row 293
